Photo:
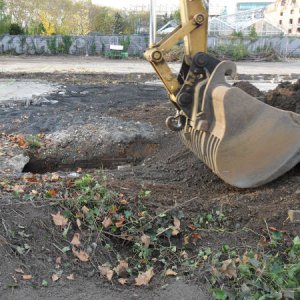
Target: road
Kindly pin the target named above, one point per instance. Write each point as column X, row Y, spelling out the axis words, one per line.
column 74, row 64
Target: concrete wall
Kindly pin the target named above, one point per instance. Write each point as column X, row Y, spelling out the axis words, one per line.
column 79, row 45
column 284, row 46
column 99, row 44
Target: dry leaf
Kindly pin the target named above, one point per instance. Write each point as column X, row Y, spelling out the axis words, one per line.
column 121, row 267
column 184, row 254
column 196, row 237
column 124, row 201
column 34, row 192
column 245, row 258
column 54, row 177
column 177, row 223
column 192, row 227
column 19, row 270
column 71, row 277
column 144, row 278
column 170, row 272
column 176, row 227
column 76, row 240
column 122, row 281
column 85, row 210
column 107, row 222
column 186, row 240
column 106, row 272
column 229, row 268
column 120, row 223
column 58, row 260
column 82, row 255
column 78, row 222
column 27, row 277
column 52, row 193
column 55, row 277
column 59, row 220
column 175, row 231
column 146, row 240
column 30, row 178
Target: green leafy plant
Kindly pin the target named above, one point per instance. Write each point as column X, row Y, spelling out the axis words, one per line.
column 33, row 141
column 253, row 34
column 15, row 29
column 264, row 274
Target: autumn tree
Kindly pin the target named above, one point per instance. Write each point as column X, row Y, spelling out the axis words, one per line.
column 4, row 19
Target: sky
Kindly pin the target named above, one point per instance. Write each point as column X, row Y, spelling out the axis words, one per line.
column 133, row 3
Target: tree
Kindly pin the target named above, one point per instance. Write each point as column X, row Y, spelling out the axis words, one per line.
column 119, row 24
column 49, row 28
column 4, row 19
column 253, row 33
column 102, row 20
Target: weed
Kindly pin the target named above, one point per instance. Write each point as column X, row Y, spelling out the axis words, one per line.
column 259, row 274
column 52, row 45
column 33, row 141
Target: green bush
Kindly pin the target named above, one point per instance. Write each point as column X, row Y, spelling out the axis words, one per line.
column 15, row 29
column 231, row 51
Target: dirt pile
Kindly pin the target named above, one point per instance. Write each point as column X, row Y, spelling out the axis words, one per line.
column 249, row 88
column 286, row 96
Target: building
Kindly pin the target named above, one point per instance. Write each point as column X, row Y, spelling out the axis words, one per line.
column 243, row 22
column 285, row 14
column 234, row 6
column 243, row 5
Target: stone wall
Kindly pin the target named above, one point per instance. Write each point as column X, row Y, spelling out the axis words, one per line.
column 99, row 44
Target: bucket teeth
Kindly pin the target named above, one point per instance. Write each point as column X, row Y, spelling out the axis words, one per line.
column 247, row 143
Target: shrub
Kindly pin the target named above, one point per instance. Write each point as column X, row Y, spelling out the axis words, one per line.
column 15, row 29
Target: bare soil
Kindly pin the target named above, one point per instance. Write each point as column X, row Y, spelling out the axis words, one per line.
column 172, row 174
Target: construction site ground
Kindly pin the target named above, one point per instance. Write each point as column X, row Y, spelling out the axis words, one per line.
column 81, row 92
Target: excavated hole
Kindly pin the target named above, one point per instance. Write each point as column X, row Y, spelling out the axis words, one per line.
column 130, row 155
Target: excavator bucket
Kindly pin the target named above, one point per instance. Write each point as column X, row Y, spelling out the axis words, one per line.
column 244, row 141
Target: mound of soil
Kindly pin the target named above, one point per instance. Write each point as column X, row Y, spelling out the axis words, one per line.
column 249, row 88
column 286, row 96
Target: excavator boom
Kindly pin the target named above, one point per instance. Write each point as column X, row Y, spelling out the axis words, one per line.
column 245, row 142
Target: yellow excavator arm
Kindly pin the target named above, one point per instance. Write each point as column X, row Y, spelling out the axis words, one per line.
column 245, row 142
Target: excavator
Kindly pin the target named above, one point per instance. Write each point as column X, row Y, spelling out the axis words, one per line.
column 244, row 141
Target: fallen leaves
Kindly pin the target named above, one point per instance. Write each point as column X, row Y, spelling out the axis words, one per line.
column 121, row 267
column 81, row 255
column 122, row 281
column 26, row 277
column 107, row 222
column 106, row 272
column 229, row 268
column 176, row 227
column 170, row 272
column 144, row 278
column 71, row 277
column 19, row 139
column 59, row 220
column 120, row 222
column 146, row 240
column 55, row 277
column 76, row 240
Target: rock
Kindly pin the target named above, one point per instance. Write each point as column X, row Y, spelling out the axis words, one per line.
column 17, row 163
column 124, row 167
column 294, row 216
